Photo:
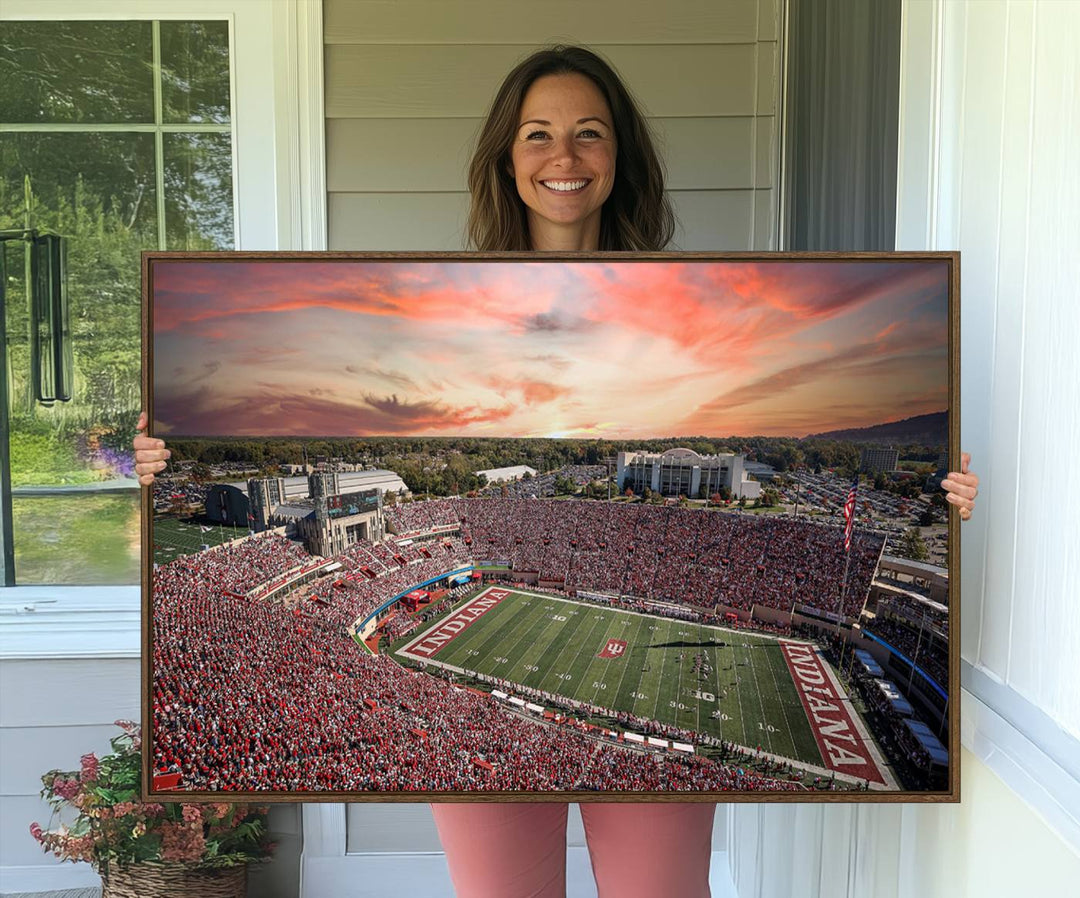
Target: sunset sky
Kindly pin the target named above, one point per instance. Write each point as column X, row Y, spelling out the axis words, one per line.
column 617, row 350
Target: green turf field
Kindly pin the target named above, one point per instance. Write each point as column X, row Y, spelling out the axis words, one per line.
column 553, row 644
column 174, row 537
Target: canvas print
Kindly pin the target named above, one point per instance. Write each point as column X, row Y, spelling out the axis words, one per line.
column 449, row 526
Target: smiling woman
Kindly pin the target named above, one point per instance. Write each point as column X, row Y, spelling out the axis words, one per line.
column 562, row 117
column 563, row 160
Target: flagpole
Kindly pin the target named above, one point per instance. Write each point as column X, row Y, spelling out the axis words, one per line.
column 849, row 530
column 840, row 610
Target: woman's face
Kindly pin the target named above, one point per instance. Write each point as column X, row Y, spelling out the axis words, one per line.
column 563, row 159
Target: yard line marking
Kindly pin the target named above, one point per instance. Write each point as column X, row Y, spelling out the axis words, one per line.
column 678, row 686
column 719, row 689
column 738, row 694
column 783, row 710
column 557, row 667
column 588, row 640
column 528, row 620
column 764, row 724
column 660, row 683
column 543, row 642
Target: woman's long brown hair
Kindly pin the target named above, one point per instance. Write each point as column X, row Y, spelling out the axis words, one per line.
column 637, row 214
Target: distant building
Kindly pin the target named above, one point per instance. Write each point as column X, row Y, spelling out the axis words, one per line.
column 330, row 511
column 500, row 475
column 875, row 460
column 340, row 519
column 683, row 472
column 916, row 580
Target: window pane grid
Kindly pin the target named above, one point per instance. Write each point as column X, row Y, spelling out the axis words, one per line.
column 86, row 191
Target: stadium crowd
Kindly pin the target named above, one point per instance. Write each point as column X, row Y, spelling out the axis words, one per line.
column 253, row 695
column 928, row 651
column 376, row 574
column 676, row 555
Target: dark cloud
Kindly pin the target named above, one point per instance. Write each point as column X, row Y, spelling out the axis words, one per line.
column 209, row 369
column 273, row 410
column 856, row 362
column 554, row 323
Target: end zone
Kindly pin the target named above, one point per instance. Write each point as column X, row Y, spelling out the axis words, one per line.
column 428, row 644
column 841, row 738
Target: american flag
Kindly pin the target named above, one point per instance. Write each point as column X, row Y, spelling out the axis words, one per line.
column 849, row 514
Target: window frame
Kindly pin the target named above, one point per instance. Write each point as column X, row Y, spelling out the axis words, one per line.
column 276, row 92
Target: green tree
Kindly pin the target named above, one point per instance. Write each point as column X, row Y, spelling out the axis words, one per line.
column 912, row 545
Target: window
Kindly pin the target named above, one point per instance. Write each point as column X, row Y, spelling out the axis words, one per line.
column 116, row 135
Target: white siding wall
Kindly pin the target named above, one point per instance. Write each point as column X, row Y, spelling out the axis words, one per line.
column 54, row 710
column 1009, row 200
column 408, row 83
column 989, row 137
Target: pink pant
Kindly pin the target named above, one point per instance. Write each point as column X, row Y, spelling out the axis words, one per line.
column 519, row 850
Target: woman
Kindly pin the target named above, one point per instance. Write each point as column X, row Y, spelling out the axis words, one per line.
column 565, row 163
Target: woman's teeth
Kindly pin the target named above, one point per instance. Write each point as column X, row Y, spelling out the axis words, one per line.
column 564, row 186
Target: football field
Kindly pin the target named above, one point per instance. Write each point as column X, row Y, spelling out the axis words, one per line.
column 726, row 683
column 175, row 537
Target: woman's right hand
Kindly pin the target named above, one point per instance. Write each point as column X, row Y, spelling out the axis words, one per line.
column 150, row 453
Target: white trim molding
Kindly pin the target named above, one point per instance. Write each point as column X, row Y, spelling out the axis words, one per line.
column 298, row 28
column 1034, row 756
column 39, row 622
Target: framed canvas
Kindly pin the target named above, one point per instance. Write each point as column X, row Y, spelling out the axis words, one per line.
column 608, row 527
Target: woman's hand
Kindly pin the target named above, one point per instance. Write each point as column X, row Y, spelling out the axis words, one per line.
column 150, row 454
column 962, row 488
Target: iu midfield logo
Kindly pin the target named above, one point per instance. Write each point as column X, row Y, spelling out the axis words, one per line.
column 613, row 649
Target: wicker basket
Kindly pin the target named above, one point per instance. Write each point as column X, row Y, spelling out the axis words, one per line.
column 174, row 881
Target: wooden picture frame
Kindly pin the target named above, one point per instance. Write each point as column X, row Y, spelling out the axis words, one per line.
column 253, row 686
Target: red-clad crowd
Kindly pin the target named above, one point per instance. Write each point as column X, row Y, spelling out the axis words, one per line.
column 251, row 695
column 680, row 555
column 368, row 580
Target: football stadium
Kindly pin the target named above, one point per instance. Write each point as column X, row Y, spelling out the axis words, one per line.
column 490, row 643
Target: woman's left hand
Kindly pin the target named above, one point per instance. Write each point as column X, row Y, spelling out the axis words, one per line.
column 962, row 487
